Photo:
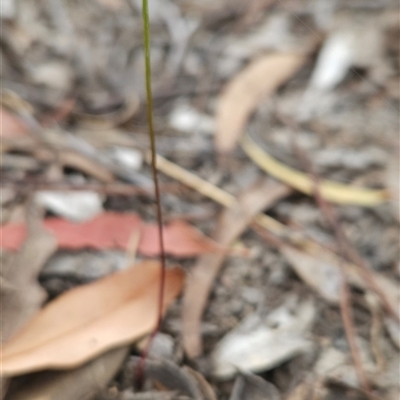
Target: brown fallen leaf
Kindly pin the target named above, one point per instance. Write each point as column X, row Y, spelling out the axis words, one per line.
column 91, row 319
column 81, row 383
column 232, row 224
column 242, row 94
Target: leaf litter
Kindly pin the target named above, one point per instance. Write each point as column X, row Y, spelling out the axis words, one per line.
column 203, row 46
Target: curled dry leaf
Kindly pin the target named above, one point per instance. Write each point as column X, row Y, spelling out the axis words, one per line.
column 91, row 319
column 330, row 190
column 113, row 230
column 240, row 97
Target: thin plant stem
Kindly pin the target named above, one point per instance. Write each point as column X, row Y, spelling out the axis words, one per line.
column 146, row 34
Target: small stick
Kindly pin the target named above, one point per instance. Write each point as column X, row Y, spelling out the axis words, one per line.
column 345, row 298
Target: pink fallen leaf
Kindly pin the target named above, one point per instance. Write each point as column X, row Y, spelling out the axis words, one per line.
column 91, row 319
column 113, row 230
column 11, row 125
column 180, row 239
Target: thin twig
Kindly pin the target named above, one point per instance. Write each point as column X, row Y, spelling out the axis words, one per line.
column 345, row 297
column 348, row 324
column 25, row 187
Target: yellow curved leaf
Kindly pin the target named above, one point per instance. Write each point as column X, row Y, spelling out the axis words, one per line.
column 330, row 190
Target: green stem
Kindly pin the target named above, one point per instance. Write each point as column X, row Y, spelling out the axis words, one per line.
column 146, row 34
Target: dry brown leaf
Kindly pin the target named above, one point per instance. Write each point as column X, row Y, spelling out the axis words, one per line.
column 242, row 94
column 232, row 224
column 91, row 319
column 82, row 383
